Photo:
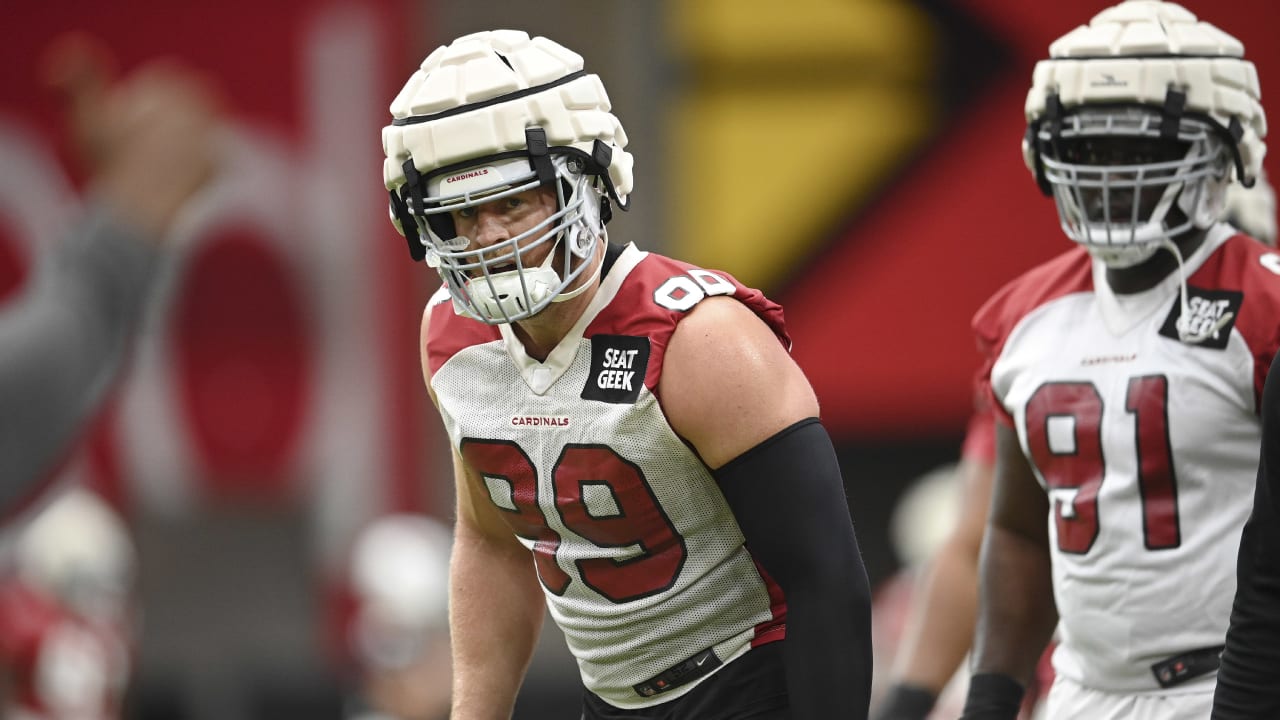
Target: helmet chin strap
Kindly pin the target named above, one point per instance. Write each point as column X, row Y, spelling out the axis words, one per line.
column 1139, row 252
column 1184, row 317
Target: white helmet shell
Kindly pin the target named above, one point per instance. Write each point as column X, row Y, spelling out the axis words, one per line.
column 508, row 113
column 1134, row 52
column 476, row 96
column 1149, row 74
column 400, row 576
column 78, row 549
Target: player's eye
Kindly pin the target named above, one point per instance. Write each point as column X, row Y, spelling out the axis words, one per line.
column 465, row 213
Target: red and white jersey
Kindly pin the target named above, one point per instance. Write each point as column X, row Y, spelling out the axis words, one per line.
column 58, row 664
column 641, row 560
column 1147, row 446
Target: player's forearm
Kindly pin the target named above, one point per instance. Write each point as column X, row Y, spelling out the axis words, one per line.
column 1017, row 613
column 828, row 650
column 800, row 533
column 62, row 344
column 940, row 626
column 496, row 612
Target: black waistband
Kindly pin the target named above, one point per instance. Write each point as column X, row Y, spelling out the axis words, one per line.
column 680, row 674
column 1191, row 664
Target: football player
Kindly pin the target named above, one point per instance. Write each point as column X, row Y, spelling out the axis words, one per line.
column 1126, row 375
column 67, row 611
column 939, row 627
column 398, row 632
column 632, row 441
column 928, row 674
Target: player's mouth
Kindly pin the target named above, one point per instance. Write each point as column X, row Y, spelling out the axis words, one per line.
column 491, row 270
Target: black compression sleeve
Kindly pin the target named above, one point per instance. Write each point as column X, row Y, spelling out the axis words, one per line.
column 1247, row 686
column 789, row 500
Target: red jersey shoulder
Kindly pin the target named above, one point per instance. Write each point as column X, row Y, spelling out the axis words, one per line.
column 659, row 290
column 1068, row 273
column 1247, row 267
column 1244, row 265
column 450, row 332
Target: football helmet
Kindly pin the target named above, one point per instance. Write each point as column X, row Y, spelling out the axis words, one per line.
column 486, row 117
column 78, row 550
column 1137, row 122
column 400, row 576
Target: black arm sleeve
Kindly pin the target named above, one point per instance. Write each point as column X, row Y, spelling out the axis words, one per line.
column 1249, row 679
column 61, row 345
column 789, row 499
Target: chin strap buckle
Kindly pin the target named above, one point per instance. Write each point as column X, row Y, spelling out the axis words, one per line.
column 1175, row 102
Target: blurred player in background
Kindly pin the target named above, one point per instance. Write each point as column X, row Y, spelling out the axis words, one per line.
column 147, row 142
column 399, row 631
column 696, row 552
column 938, row 629
column 66, row 612
column 1126, row 376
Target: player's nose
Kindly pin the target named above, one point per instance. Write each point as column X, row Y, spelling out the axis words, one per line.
column 491, row 228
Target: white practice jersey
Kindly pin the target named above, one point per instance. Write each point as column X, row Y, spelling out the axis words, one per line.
column 1147, row 446
column 640, row 558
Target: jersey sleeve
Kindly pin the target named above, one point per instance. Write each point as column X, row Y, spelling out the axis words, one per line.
column 660, row 291
column 991, row 326
column 1258, row 268
column 1000, row 315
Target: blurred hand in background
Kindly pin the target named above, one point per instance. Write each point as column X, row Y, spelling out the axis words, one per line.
column 147, row 142
column 146, row 139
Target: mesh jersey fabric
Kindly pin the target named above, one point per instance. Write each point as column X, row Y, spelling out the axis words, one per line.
column 642, row 563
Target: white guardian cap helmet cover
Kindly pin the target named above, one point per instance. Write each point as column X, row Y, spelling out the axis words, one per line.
column 1137, row 123
column 491, row 115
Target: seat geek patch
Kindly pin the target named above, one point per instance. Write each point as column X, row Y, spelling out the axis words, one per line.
column 618, row 365
column 1212, row 311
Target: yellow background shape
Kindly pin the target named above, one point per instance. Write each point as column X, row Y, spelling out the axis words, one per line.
column 793, row 113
